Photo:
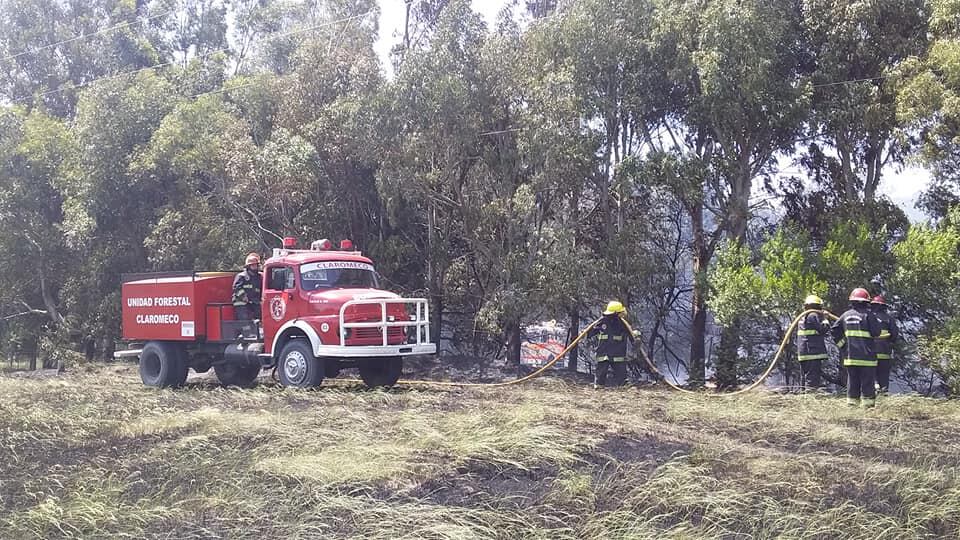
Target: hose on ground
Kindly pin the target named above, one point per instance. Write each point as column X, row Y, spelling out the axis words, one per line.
column 773, row 363
column 523, row 379
column 643, row 353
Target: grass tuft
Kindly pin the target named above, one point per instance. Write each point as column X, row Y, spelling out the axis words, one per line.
column 94, row 455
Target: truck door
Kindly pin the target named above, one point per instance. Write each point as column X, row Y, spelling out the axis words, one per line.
column 278, row 300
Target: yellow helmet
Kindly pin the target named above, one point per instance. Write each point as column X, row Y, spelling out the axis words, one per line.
column 813, row 300
column 614, row 307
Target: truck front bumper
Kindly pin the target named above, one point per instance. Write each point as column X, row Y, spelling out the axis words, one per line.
column 374, row 350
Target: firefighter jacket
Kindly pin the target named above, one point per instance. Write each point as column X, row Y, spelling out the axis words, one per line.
column 889, row 333
column 854, row 333
column 810, row 338
column 247, row 288
column 612, row 335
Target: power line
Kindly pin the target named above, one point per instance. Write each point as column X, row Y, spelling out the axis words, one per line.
column 85, row 36
column 852, row 81
column 225, row 89
column 171, row 62
column 498, row 132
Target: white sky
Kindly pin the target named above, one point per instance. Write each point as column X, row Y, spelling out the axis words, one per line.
column 902, row 187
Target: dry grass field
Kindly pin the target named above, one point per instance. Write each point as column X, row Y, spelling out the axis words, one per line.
column 96, row 455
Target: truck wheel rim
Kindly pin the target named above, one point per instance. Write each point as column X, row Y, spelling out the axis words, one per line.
column 295, row 367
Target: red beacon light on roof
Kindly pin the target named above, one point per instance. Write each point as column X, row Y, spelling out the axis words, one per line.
column 321, row 245
column 289, row 242
column 346, row 245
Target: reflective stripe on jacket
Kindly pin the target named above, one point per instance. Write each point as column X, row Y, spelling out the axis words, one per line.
column 889, row 333
column 612, row 336
column 810, row 343
column 854, row 333
column 247, row 289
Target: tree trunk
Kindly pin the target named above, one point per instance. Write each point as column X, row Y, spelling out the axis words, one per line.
column 728, row 355
column 434, row 279
column 739, row 218
column 513, row 346
column 698, row 330
column 573, row 356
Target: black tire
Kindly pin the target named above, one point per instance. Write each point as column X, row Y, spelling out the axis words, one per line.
column 242, row 375
column 298, row 367
column 381, row 372
column 163, row 365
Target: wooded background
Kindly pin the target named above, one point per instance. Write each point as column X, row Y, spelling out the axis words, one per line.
column 708, row 162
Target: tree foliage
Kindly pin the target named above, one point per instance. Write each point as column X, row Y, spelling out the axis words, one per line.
column 570, row 153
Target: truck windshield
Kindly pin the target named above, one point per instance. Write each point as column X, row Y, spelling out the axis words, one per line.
column 337, row 275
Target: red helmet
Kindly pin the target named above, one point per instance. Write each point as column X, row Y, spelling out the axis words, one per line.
column 252, row 259
column 860, row 295
column 879, row 300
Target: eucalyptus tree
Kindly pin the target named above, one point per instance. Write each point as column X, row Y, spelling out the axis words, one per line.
column 855, row 51
column 928, row 100
column 50, row 49
column 740, row 98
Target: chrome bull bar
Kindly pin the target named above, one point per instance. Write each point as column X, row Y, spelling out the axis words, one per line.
column 420, row 320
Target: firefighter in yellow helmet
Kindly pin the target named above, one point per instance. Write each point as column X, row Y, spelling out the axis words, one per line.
column 247, row 287
column 811, row 347
column 612, row 333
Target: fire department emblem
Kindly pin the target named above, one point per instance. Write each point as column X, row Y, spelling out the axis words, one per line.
column 277, row 308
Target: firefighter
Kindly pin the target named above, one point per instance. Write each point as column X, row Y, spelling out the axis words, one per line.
column 811, row 347
column 889, row 333
column 612, row 333
column 247, row 290
column 854, row 333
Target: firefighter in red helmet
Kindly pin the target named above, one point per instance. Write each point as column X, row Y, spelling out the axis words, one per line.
column 855, row 332
column 884, row 345
column 247, row 288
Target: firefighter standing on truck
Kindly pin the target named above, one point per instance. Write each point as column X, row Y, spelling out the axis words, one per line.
column 889, row 333
column 612, row 333
column 811, row 347
column 247, row 290
column 855, row 332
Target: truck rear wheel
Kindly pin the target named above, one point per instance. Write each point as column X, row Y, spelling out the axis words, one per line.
column 163, row 365
column 381, row 372
column 298, row 367
column 242, row 375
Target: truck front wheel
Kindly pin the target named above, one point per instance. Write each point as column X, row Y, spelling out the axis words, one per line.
column 244, row 376
column 298, row 367
column 381, row 372
column 163, row 365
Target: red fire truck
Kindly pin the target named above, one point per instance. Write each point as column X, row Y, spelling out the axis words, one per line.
column 322, row 311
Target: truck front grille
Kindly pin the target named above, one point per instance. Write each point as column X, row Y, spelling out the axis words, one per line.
column 374, row 336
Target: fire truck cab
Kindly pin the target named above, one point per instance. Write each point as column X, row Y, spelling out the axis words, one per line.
column 322, row 311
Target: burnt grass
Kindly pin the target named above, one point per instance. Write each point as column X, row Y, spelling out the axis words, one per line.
column 186, row 463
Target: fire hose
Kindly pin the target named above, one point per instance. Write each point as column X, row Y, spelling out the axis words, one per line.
column 643, row 353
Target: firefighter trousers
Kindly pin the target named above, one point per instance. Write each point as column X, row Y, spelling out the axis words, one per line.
column 810, row 373
column 883, row 374
column 247, row 312
column 860, row 385
column 619, row 372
